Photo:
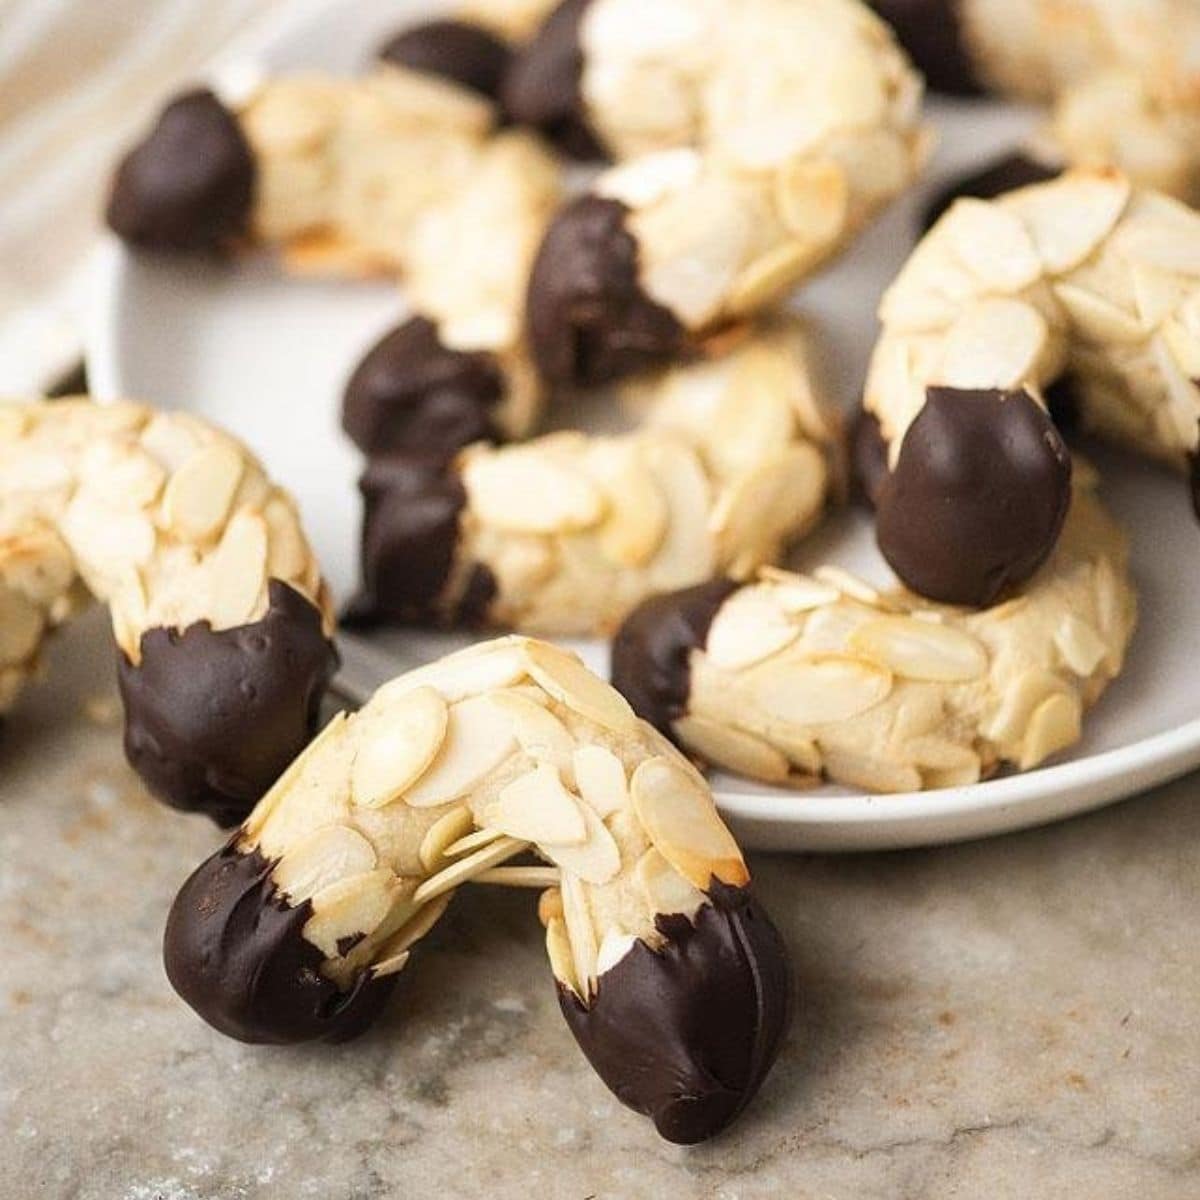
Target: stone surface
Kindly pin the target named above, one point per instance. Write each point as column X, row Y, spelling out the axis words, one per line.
column 1014, row 1018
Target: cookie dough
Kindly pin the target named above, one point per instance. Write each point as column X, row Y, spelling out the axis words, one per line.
column 220, row 615
column 671, row 977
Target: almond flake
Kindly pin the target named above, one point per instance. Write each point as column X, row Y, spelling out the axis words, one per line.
column 477, row 669
column 1056, row 723
column 681, row 821
column 664, row 889
column 478, row 739
column 818, row 690
column 580, row 932
column 357, row 905
column 921, row 650
column 600, row 778
column 540, row 733
column 324, row 857
column 558, row 950
column 199, row 494
column 464, row 870
column 550, row 905
column 1069, row 218
column 569, row 682
column 390, row 966
column 400, row 741
column 416, row 927
column 596, row 860
column 443, row 833
column 238, row 571
column 724, row 746
column 749, row 627
column 524, row 490
column 613, row 948
column 1081, row 647
column 520, row 877
column 537, row 808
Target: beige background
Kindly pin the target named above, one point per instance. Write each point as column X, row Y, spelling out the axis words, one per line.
column 78, row 78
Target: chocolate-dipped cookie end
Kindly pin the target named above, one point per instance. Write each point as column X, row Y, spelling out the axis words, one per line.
column 213, row 718
column 234, row 950
column 588, row 318
column 651, row 652
column 687, row 1032
column 189, row 185
column 454, row 50
column 978, row 497
column 932, row 33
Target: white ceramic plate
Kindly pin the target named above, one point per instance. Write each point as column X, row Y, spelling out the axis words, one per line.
column 267, row 357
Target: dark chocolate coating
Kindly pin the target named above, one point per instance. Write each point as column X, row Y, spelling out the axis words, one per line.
column 190, row 184
column 234, row 950
column 542, row 86
column 650, row 654
column 1004, row 174
column 686, row 1034
column 978, row 497
column 411, row 393
column 455, row 50
column 932, row 33
column 212, row 719
column 589, row 321
column 868, row 456
column 410, row 531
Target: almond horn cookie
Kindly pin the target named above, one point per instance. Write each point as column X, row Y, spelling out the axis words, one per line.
column 755, row 140
column 671, row 977
column 329, row 171
column 793, row 677
column 460, row 371
column 735, row 459
column 1084, row 288
column 221, row 619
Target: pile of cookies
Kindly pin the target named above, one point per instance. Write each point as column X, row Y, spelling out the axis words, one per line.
column 742, row 148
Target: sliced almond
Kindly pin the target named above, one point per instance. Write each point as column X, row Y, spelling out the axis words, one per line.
column 479, row 737
column 637, row 513
column 238, row 570
column 396, row 746
column 349, row 908
column 463, row 870
column 769, row 277
column 1056, row 723
column 550, row 905
column 871, row 774
column 600, row 778
column 558, row 950
column 687, row 553
column 1081, row 647
column 664, row 889
column 472, row 841
column 416, row 927
column 614, row 946
column 996, row 343
column 993, row 245
column 520, row 877
column 525, row 490
column 390, row 966
column 819, row 689
column 681, row 821
column 596, row 860
column 921, row 650
column 322, row 858
column 581, row 932
column 733, row 749
column 444, row 832
column 540, row 733
column 566, row 679
column 537, row 808
column 470, row 672
column 1069, row 218
column 199, row 494
column 749, row 627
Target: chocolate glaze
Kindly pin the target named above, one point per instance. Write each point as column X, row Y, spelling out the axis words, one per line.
column 234, row 950
column 932, row 33
column 978, row 497
column 650, row 654
column 190, row 184
column 455, row 50
column 542, row 87
column 1004, row 174
column 687, row 1033
column 411, row 393
column 868, row 456
column 410, row 531
column 589, row 321
column 212, row 719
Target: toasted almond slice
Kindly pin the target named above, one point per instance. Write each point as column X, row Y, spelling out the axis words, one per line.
column 848, row 584
column 580, row 931
column 818, row 689
column 798, row 594
column 614, row 946
column 1097, row 319
column 322, row 858
column 199, row 494
column 1068, row 219
column 478, row 739
column 443, row 833
column 770, row 276
column 520, row 877
column 1056, row 724
column 537, row 808
column 871, row 774
column 550, row 905
column 749, row 627
column 681, row 821
column 398, row 743
column 996, row 343
column 526, row 490
column 558, row 950
column 472, row 841
column 1081, row 647
column 416, row 927
column 597, row 860
column 812, row 197
column 390, row 966
column 540, row 733
column 736, row 751
column 993, row 245
column 600, row 778
column 463, row 870
column 637, row 513
column 565, row 678
column 921, row 650
column 687, row 554
column 664, row 889
column 238, row 570
column 353, row 906
column 470, row 672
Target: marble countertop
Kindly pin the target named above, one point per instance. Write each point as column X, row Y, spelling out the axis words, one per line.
column 1014, row 1018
